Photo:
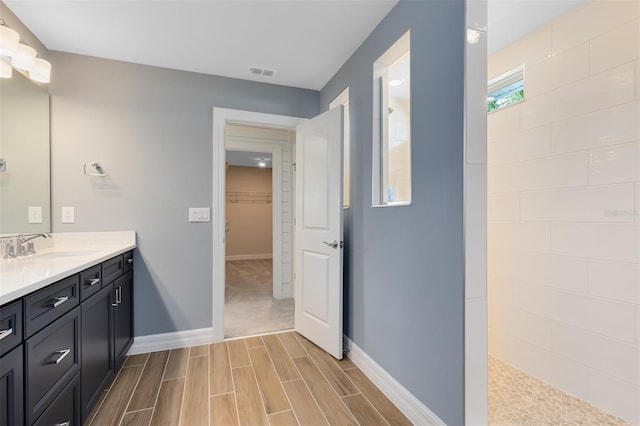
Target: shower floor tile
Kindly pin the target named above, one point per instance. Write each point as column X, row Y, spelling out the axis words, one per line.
column 516, row 398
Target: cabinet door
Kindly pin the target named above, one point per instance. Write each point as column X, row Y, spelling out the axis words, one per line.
column 97, row 365
column 123, row 316
column 11, row 386
column 65, row 408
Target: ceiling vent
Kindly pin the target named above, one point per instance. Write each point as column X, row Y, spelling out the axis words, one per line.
column 262, row 71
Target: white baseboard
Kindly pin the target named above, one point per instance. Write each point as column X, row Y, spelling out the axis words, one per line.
column 249, row 256
column 415, row 410
column 175, row 340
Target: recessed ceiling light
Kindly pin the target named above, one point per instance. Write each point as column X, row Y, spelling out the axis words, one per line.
column 395, row 83
column 262, row 164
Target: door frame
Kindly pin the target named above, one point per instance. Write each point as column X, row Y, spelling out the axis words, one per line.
column 222, row 117
column 275, row 149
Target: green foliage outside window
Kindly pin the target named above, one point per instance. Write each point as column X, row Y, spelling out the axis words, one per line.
column 509, row 99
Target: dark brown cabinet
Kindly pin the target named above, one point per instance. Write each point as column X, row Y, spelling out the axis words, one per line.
column 97, row 346
column 61, row 345
column 11, row 388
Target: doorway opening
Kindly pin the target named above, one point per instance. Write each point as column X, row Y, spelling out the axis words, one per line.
column 258, row 229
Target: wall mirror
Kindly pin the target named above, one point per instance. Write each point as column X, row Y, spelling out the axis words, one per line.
column 392, row 125
column 25, row 195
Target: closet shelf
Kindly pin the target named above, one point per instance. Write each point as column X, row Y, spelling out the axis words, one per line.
column 248, row 197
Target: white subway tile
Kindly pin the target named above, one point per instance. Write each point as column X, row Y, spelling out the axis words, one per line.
column 476, row 369
column 637, row 210
column 618, row 163
column 475, row 231
column 568, row 375
column 584, row 204
column 503, row 123
column 520, row 236
column 615, row 280
column 521, row 146
column 560, row 69
column 637, row 325
column 558, row 171
column 504, row 206
column 532, row 48
column 603, row 90
column 596, row 351
column 525, row 326
column 605, row 241
column 619, row 397
column 638, row 79
column 615, row 47
column 608, row 317
column 476, row 99
column 606, row 127
column 590, row 20
column 562, row 272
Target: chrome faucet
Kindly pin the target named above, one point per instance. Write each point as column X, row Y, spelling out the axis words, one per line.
column 29, row 249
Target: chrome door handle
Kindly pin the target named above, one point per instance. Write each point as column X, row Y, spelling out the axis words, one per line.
column 59, row 301
column 333, row 244
column 6, row 333
column 63, row 353
column 94, row 281
column 119, row 295
column 115, row 297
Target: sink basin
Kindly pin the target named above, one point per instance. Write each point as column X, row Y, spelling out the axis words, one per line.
column 61, row 254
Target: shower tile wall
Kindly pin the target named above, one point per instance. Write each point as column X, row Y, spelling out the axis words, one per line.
column 563, row 207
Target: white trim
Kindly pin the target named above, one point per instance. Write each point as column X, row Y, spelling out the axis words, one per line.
column 174, row 340
column 415, row 410
column 249, row 256
column 222, row 116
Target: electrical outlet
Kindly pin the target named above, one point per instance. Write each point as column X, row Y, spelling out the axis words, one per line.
column 68, row 215
column 35, row 214
column 199, row 214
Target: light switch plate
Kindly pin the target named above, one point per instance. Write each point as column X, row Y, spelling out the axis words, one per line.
column 199, row 214
column 68, row 215
column 35, row 214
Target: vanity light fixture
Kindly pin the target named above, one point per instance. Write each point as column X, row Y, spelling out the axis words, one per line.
column 18, row 55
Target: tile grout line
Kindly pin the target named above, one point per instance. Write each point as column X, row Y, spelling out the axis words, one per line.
column 330, row 386
column 364, row 395
column 284, row 391
column 233, row 383
column 307, row 385
column 184, row 390
column 121, row 419
column 255, row 377
column 155, row 402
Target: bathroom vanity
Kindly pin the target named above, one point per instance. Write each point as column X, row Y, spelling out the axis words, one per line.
column 66, row 324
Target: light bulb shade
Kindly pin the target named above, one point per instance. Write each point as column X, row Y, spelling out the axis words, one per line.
column 5, row 69
column 41, row 71
column 8, row 41
column 25, row 57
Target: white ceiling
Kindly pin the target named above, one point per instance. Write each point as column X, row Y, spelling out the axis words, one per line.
column 306, row 41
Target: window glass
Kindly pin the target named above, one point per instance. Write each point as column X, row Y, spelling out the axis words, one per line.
column 506, row 89
column 392, row 126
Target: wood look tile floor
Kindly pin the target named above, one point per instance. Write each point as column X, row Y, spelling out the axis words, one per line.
column 277, row 379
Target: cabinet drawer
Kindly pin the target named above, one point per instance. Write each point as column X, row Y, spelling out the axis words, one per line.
column 52, row 358
column 65, row 408
column 44, row 306
column 112, row 269
column 10, row 326
column 90, row 281
column 128, row 261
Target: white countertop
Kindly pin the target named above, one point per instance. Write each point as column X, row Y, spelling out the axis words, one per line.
column 59, row 257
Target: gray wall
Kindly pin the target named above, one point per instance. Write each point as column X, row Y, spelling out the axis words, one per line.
column 151, row 129
column 404, row 289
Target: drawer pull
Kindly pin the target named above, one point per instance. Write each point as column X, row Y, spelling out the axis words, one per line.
column 6, row 333
column 93, row 282
column 129, row 261
column 63, row 353
column 60, row 300
column 67, row 423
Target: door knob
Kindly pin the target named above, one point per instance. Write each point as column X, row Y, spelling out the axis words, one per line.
column 333, row 244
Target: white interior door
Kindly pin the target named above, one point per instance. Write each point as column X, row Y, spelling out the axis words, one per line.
column 318, row 283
